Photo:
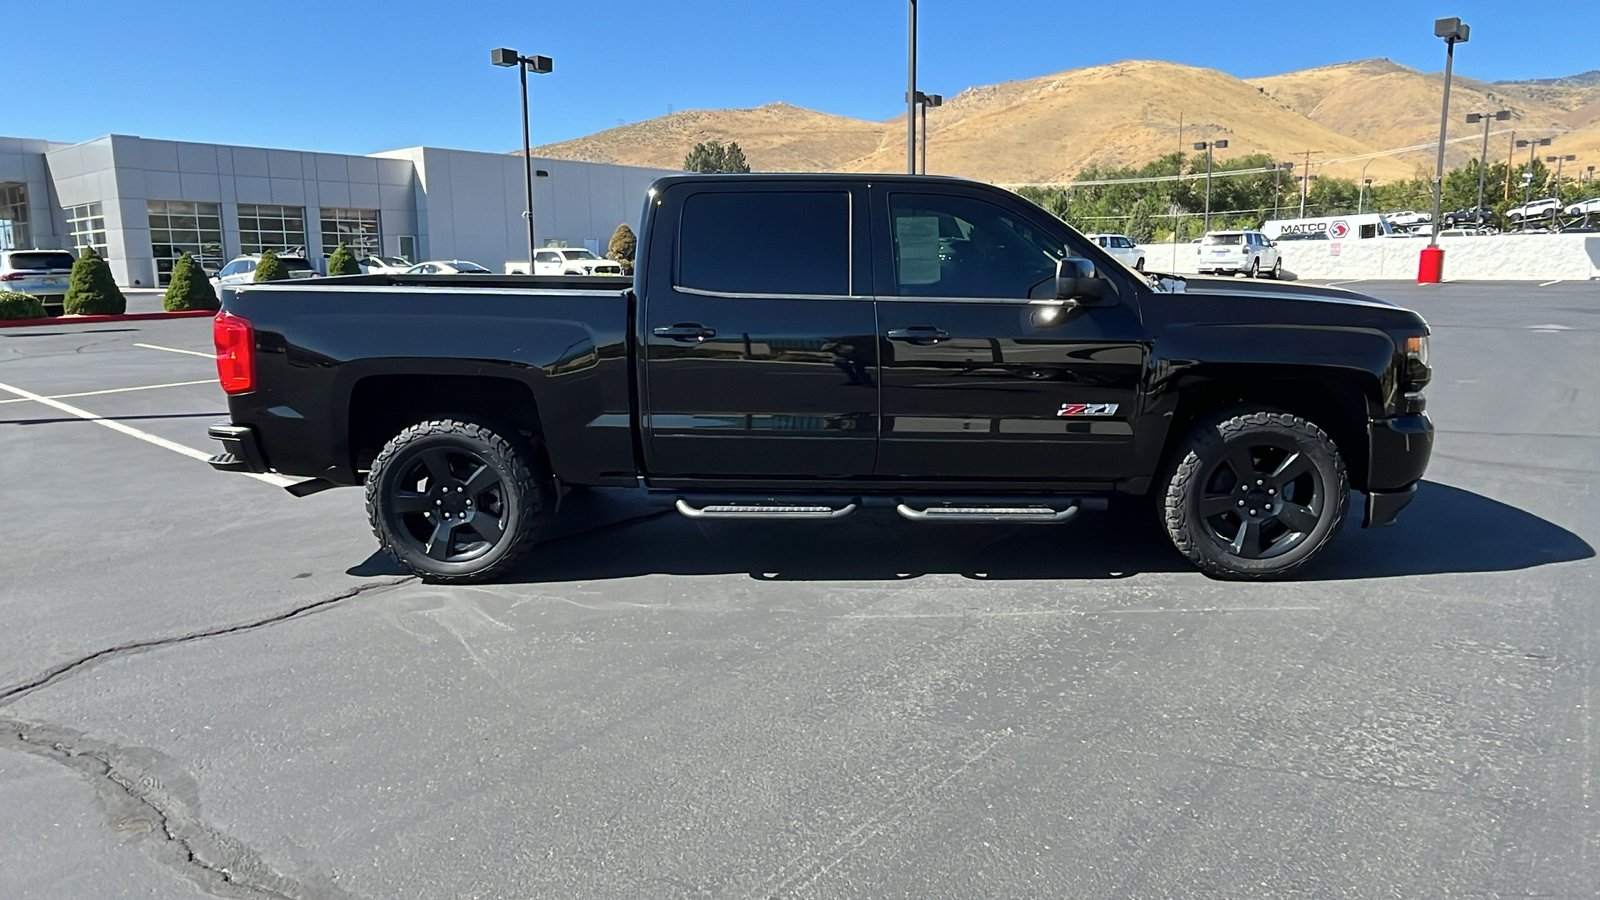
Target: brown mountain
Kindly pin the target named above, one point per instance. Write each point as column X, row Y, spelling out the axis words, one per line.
column 1047, row 129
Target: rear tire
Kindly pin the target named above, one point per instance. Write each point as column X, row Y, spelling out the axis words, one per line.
column 456, row 501
column 1254, row 494
column 1255, row 269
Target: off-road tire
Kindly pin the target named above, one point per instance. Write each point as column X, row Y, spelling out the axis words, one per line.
column 1196, row 463
column 519, row 493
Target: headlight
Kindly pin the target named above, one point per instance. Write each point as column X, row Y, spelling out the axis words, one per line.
column 1415, row 373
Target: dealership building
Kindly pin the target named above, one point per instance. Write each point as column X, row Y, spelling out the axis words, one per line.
column 142, row 203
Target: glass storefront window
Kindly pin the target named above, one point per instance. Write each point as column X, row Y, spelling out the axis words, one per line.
column 14, row 232
column 86, row 225
column 178, row 227
column 275, row 228
column 355, row 228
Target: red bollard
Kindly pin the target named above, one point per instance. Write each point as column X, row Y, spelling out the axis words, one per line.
column 1430, row 267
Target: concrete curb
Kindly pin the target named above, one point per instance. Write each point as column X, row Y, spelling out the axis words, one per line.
column 94, row 320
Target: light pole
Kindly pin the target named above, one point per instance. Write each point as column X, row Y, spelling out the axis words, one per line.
column 1533, row 145
column 1483, row 159
column 1208, row 147
column 911, row 94
column 1454, row 31
column 927, row 101
column 1277, row 182
column 1366, row 185
column 538, row 65
column 1555, row 214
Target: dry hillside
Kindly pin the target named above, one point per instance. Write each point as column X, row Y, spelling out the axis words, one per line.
column 776, row 137
column 1047, row 129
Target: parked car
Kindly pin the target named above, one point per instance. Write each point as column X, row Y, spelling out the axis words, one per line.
column 967, row 358
column 447, row 267
column 1409, row 219
column 1121, row 247
column 382, row 265
column 1470, row 217
column 1588, row 207
column 42, row 273
column 573, row 261
column 1233, row 252
column 242, row 269
column 1529, row 212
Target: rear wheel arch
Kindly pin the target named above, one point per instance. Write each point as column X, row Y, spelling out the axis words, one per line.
column 381, row 406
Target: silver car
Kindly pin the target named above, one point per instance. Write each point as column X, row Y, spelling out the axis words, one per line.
column 242, row 270
column 42, row 273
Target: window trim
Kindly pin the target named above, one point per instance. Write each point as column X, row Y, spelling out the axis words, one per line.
column 851, row 237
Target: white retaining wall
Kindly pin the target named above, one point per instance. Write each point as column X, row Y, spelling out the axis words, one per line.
column 1501, row 257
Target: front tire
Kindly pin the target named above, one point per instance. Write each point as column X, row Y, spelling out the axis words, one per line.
column 1139, row 266
column 1277, row 270
column 1254, row 494
column 456, row 501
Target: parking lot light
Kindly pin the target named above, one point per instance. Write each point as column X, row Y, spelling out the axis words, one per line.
column 505, row 57
column 1558, row 160
column 1430, row 267
column 1483, row 158
column 1208, row 147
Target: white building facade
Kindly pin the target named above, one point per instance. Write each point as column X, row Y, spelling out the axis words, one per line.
column 142, row 203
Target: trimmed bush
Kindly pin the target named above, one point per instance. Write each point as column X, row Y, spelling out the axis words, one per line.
column 343, row 262
column 189, row 288
column 20, row 306
column 622, row 247
column 92, row 291
column 268, row 268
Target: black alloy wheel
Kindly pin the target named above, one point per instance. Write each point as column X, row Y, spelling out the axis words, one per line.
column 1255, row 494
column 455, row 501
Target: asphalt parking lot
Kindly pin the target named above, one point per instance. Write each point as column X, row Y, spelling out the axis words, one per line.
column 211, row 688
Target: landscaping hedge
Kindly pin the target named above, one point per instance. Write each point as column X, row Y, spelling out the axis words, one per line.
column 20, row 306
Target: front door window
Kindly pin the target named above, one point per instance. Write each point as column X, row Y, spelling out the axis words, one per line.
column 951, row 246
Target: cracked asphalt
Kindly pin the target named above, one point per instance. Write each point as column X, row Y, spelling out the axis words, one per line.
column 209, row 688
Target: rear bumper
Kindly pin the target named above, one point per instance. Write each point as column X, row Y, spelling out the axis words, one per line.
column 241, row 450
column 1398, row 454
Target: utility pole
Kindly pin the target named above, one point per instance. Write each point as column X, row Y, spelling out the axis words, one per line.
column 911, row 94
column 1305, row 180
column 1511, row 147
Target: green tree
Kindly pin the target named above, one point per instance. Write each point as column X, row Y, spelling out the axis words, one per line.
column 16, row 305
column 714, row 156
column 622, row 247
column 270, row 268
column 188, row 288
column 343, row 262
column 92, row 291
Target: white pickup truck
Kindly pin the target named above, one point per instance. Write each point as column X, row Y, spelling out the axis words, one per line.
column 566, row 261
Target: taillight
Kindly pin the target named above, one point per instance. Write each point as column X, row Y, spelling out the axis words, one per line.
column 12, row 276
column 236, row 352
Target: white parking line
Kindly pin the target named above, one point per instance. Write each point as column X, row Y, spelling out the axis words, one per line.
column 1548, row 283
column 1352, row 281
column 147, row 437
column 176, row 350
column 143, row 387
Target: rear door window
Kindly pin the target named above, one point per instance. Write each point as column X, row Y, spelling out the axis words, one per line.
column 39, row 261
column 766, row 242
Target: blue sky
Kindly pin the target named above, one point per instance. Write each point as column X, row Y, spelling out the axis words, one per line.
column 362, row 77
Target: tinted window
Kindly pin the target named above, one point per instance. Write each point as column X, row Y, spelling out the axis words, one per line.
column 295, row 264
column 547, row 257
column 947, row 246
column 472, row 268
column 58, row 260
column 766, row 243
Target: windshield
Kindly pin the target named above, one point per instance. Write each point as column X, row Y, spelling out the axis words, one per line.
column 469, row 267
column 1223, row 240
column 578, row 254
column 53, row 260
column 296, row 264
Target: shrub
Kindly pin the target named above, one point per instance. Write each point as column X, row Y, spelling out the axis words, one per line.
column 189, row 288
column 92, row 291
column 20, row 306
column 343, row 262
column 622, row 247
column 268, row 268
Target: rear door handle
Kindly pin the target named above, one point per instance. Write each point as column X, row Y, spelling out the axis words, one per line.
column 686, row 331
column 919, row 334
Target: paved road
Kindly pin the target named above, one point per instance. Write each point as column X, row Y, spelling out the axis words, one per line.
column 210, row 688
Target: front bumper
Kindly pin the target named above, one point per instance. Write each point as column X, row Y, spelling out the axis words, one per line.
column 241, row 450
column 1398, row 454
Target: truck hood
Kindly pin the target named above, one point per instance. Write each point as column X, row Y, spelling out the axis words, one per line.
column 1277, row 290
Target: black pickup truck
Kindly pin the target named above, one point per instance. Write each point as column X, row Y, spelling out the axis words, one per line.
column 803, row 346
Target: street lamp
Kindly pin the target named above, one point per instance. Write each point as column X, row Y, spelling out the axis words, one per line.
column 538, row 65
column 911, row 94
column 924, row 101
column 1208, row 147
column 1558, row 160
column 1483, row 159
column 1454, row 31
column 1366, row 185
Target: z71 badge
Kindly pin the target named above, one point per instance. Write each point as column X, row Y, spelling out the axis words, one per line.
column 1088, row 409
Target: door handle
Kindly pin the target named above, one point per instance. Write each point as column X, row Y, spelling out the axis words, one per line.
column 686, row 331
column 919, row 334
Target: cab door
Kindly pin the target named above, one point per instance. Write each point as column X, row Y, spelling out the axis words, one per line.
column 759, row 333
column 985, row 375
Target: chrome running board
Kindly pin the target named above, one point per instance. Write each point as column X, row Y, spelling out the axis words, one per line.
column 1034, row 515
column 763, row 511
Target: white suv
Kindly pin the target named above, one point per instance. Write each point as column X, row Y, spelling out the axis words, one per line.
column 42, row 273
column 242, row 270
column 1528, row 212
column 1230, row 252
column 1122, row 247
